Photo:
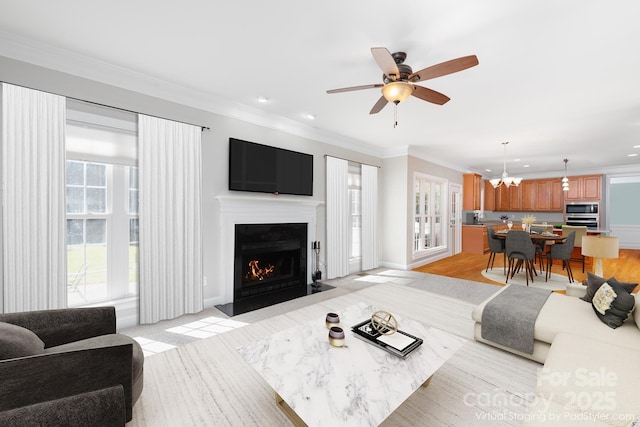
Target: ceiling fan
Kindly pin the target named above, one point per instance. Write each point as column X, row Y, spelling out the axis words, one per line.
column 398, row 78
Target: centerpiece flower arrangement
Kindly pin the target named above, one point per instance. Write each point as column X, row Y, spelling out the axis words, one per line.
column 504, row 218
column 527, row 221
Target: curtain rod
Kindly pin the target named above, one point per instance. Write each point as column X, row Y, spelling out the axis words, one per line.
column 352, row 161
column 202, row 128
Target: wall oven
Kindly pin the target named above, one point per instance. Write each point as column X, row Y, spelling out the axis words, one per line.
column 582, row 213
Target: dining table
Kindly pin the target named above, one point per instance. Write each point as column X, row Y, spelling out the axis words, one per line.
column 535, row 236
column 546, row 237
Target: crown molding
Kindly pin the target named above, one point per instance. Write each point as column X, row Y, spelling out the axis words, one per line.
column 41, row 54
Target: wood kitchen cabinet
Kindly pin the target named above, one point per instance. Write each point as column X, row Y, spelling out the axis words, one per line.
column 557, row 196
column 538, row 195
column 584, row 188
column 489, row 196
column 515, row 198
column 474, row 239
column 529, row 192
column 471, row 190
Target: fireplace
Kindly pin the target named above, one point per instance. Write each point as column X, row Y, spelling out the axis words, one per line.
column 269, row 214
column 269, row 259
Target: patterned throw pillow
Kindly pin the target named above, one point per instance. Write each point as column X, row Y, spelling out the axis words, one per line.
column 612, row 304
column 594, row 282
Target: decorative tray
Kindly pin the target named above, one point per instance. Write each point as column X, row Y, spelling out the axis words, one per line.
column 400, row 343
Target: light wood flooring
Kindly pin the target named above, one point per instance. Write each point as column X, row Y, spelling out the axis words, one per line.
column 626, row 268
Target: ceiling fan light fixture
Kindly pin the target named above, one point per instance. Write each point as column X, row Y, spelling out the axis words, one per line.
column 397, row 92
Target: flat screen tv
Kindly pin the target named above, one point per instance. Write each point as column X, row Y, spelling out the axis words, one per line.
column 265, row 169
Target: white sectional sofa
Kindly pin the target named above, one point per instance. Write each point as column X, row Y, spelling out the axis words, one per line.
column 568, row 314
column 591, row 371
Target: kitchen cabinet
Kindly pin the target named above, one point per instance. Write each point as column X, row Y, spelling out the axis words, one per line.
column 474, row 239
column 515, row 198
column 489, row 196
column 529, row 193
column 557, row 196
column 471, row 190
column 584, row 188
column 532, row 195
column 542, row 195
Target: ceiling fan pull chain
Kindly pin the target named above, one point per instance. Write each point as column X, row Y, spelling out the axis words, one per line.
column 395, row 116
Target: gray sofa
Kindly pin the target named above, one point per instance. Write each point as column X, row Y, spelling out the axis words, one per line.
column 67, row 367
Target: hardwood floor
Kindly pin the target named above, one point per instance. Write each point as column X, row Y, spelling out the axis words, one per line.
column 626, row 268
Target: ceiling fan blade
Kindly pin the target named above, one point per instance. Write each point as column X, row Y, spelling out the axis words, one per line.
column 349, row 89
column 379, row 105
column 430, row 95
column 444, row 68
column 385, row 62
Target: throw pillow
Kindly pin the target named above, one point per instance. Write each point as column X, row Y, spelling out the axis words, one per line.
column 16, row 341
column 612, row 304
column 594, row 282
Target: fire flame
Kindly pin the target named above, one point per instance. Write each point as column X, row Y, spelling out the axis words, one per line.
column 257, row 273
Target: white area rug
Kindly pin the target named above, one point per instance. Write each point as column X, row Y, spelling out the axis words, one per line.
column 557, row 282
column 208, row 383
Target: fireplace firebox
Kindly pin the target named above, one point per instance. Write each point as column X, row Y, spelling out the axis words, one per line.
column 269, row 259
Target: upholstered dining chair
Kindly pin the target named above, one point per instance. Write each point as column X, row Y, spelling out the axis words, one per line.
column 496, row 246
column 520, row 251
column 580, row 231
column 561, row 251
column 541, row 245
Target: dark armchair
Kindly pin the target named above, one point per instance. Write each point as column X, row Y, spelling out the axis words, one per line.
column 67, row 367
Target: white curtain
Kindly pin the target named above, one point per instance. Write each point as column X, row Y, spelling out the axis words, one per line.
column 33, row 202
column 337, row 250
column 169, row 164
column 369, row 217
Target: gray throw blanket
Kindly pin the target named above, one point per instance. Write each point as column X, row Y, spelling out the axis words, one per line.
column 509, row 318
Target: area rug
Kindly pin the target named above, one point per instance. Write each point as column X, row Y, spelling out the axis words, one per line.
column 556, row 282
column 207, row 382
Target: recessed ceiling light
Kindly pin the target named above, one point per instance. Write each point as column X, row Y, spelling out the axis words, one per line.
column 525, row 166
column 636, row 146
column 516, row 160
column 632, row 155
column 488, row 170
column 263, row 99
column 310, row 116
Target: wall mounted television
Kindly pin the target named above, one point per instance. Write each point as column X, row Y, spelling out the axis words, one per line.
column 265, row 169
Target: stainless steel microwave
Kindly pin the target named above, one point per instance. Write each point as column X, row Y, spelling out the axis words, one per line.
column 589, row 208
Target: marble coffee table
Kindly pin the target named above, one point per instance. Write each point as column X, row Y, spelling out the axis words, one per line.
column 359, row 384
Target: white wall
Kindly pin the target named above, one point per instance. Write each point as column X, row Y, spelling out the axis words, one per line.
column 394, row 212
column 397, row 251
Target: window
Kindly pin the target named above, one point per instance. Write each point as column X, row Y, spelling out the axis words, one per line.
column 97, row 221
column 102, row 208
column 429, row 227
column 355, row 214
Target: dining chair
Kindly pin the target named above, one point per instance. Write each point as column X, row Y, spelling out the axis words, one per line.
column 561, row 251
column 496, row 246
column 541, row 245
column 580, row 231
column 520, row 251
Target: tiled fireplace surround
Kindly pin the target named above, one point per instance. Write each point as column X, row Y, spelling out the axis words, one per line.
column 260, row 210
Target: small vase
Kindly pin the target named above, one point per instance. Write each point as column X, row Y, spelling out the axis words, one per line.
column 332, row 319
column 336, row 336
column 509, row 224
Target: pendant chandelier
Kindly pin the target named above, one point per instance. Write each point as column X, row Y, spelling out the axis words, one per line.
column 565, row 180
column 505, row 179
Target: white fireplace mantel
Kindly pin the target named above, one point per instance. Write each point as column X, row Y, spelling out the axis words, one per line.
column 260, row 210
